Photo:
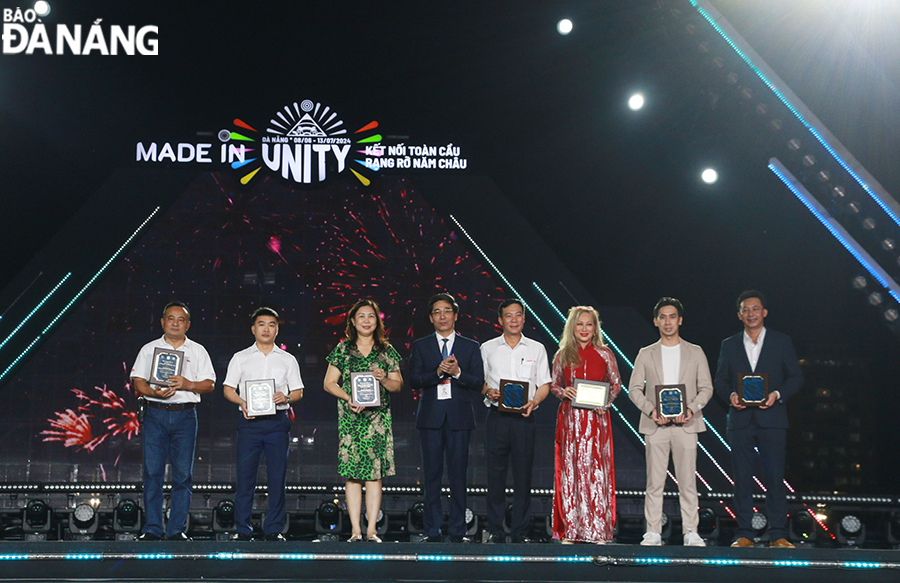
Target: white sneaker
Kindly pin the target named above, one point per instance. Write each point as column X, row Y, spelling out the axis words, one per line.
column 692, row 539
column 651, row 539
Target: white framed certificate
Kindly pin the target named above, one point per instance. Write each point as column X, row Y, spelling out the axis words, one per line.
column 259, row 396
column 590, row 394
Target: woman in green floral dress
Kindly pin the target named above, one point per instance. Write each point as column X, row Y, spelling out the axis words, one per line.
column 366, row 446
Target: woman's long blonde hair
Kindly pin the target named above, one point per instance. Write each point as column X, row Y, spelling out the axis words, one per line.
column 568, row 344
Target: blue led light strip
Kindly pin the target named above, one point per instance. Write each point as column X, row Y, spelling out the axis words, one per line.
column 503, row 277
column 833, row 227
column 80, row 293
column 786, row 96
column 36, row 308
column 620, row 561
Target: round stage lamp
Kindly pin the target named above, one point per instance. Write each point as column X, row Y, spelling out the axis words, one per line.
column 42, row 8
column 37, row 516
column 802, row 527
column 415, row 518
column 328, row 518
column 759, row 522
column 635, row 102
column 851, row 531
column 223, row 516
column 83, row 521
column 472, row 522
column 709, row 176
column 564, row 26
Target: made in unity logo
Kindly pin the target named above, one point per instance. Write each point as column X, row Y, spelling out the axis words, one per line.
column 303, row 142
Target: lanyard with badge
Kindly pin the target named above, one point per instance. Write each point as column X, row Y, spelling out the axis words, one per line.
column 443, row 388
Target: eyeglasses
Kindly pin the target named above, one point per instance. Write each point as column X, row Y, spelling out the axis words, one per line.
column 439, row 311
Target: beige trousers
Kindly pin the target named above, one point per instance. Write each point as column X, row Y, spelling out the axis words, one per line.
column 683, row 446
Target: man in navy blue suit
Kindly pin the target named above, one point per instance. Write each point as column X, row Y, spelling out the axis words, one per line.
column 447, row 368
column 758, row 350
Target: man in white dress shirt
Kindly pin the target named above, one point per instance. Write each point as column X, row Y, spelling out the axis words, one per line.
column 169, row 428
column 269, row 434
column 510, row 436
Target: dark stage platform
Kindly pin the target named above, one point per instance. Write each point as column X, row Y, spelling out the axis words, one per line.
column 434, row 562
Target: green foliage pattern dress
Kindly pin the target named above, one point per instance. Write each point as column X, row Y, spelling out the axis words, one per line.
column 366, row 442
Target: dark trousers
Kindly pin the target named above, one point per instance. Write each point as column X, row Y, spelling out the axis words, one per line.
column 438, row 444
column 771, row 443
column 509, row 439
column 269, row 435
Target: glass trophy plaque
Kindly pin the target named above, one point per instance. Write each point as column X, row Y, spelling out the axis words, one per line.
column 753, row 389
column 365, row 390
column 590, row 394
column 260, row 397
column 670, row 401
column 513, row 396
column 166, row 363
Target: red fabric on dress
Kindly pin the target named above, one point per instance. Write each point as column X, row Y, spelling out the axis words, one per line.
column 584, row 485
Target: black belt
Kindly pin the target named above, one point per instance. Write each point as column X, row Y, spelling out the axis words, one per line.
column 174, row 407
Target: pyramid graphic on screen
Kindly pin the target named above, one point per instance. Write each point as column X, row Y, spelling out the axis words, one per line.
column 306, row 127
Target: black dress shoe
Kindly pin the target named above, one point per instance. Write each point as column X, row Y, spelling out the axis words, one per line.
column 275, row 537
column 522, row 540
column 149, row 536
column 179, row 537
column 496, row 539
column 459, row 539
column 241, row 537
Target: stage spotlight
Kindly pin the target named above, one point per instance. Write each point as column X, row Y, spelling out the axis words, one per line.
column 42, row 8
column 876, row 299
column 838, row 192
column 851, row 531
column 472, row 522
column 708, row 525
column 709, row 176
column 868, row 223
column 415, row 518
column 223, row 516
column 126, row 520
column 636, row 101
column 564, row 26
column 381, row 524
column 859, row 282
column 36, row 520
column 801, row 527
column 888, row 244
column 759, row 522
column 891, row 314
column 794, row 144
column 329, row 520
column 83, row 521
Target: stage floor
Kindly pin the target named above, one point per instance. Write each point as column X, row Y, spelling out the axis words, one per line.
column 434, row 562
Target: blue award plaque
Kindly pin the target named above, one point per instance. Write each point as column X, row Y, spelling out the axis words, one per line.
column 753, row 389
column 166, row 363
column 365, row 390
column 670, row 400
column 513, row 396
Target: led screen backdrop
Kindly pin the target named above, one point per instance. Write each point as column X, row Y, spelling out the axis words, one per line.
column 225, row 249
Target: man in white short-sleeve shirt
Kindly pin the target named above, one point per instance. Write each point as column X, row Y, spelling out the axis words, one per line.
column 269, row 434
column 510, row 436
column 170, row 423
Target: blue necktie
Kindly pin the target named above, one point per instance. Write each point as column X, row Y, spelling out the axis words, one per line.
column 444, row 353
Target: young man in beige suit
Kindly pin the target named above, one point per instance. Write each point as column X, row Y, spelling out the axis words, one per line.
column 671, row 361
